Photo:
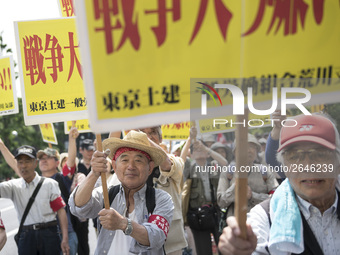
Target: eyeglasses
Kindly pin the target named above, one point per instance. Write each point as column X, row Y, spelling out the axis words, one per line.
column 314, row 155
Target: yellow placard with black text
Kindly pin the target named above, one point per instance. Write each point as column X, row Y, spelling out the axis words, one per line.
column 83, row 126
column 139, row 56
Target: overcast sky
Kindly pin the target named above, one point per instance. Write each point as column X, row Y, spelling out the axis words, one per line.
column 17, row 10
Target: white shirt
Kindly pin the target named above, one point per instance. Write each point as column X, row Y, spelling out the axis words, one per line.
column 19, row 191
column 320, row 225
column 325, row 227
column 121, row 242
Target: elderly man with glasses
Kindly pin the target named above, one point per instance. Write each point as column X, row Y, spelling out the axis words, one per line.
column 303, row 216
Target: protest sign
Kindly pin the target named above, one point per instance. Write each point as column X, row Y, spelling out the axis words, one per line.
column 83, row 126
column 48, row 133
column 50, row 71
column 8, row 94
column 139, row 55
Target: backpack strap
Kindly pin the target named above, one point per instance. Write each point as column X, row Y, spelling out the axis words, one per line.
column 312, row 246
column 150, row 199
column 150, row 196
column 266, row 207
column 113, row 191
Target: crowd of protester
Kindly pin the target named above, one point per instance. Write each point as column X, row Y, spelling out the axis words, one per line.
column 181, row 202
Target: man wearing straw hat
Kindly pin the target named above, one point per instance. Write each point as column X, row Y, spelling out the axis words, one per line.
column 169, row 177
column 127, row 227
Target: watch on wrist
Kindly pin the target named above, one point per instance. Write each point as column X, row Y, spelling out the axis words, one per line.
column 129, row 228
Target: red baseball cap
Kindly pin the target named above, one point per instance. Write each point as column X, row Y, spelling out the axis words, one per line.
column 309, row 128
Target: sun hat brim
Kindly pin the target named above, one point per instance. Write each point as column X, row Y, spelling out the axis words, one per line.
column 157, row 155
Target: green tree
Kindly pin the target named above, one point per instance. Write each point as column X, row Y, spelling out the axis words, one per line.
column 3, row 46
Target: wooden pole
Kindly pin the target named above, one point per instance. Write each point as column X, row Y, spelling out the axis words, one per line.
column 193, row 124
column 103, row 175
column 74, row 125
column 241, row 186
column 50, row 145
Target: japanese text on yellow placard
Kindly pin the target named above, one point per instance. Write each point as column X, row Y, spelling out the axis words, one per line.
column 229, row 123
column 66, row 8
column 51, row 71
column 177, row 131
column 143, row 53
column 83, row 126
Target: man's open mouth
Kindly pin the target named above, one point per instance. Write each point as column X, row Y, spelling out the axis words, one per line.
column 312, row 181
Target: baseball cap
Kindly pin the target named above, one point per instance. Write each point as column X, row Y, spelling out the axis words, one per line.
column 87, row 144
column 309, row 128
column 26, row 150
column 49, row 152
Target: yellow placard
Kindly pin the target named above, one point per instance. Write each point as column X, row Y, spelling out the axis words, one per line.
column 83, row 126
column 317, row 108
column 66, row 8
column 139, row 56
column 229, row 124
column 177, row 131
column 48, row 134
column 8, row 95
column 50, row 71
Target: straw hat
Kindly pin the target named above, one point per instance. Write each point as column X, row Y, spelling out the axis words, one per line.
column 136, row 140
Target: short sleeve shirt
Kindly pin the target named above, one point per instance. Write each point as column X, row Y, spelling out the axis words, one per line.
column 19, row 191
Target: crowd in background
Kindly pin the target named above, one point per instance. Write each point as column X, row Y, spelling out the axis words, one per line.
column 203, row 196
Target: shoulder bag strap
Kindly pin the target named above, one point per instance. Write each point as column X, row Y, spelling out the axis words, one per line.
column 30, row 202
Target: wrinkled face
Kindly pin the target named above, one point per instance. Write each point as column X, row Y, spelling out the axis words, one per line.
column 47, row 163
column 222, row 152
column 26, row 166
column 313, row 170
column 132, row 169
column 152, row 134
column 252, row 152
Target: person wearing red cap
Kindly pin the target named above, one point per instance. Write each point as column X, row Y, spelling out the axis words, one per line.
column 303, row 216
